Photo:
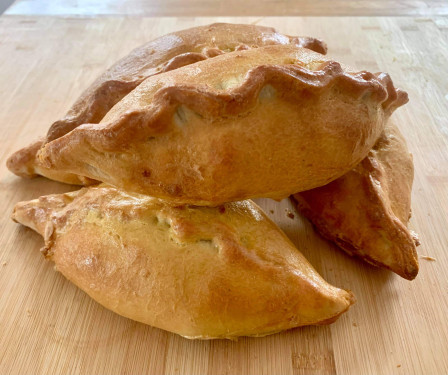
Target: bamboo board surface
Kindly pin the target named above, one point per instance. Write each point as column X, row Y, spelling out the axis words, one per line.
column 49, row 326
column 230, row 7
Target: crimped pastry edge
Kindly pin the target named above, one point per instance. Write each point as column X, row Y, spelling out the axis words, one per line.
column 155, row 118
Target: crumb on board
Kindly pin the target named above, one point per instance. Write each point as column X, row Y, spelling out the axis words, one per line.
column 271, row 211
column 426, row 257
column 355, row 324
column 398, row 365
column 4, row 263
column 289, row 214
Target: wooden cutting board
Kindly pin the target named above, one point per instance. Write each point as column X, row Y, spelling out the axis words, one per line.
column 49, row 326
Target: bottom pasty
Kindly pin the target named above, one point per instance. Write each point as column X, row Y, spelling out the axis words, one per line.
column 201, row 272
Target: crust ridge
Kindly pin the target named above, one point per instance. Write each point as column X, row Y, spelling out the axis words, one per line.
column 210, row 103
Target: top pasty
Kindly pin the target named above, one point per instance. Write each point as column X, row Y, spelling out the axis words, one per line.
column 266, row 122
column 163, row 54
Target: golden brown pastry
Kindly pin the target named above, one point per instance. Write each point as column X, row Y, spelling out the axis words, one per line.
column 160, row 55
column 199, row 272
column 24, row 163
column 265, row 122
column 367, row 210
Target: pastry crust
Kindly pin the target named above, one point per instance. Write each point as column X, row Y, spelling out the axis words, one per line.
column 200, row 272
column 265, row 122
column 24, row 163
column 366, row 211
column 163, row 54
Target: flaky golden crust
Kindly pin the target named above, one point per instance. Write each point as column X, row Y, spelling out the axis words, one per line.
column 366, row 211
column 163, row 54
column 266, row 122
column 24, row 163
column 200, row 272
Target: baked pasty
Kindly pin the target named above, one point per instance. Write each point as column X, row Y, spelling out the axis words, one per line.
column 160, row 55
column 266, row 122
column 199, row 272
column 366, row 211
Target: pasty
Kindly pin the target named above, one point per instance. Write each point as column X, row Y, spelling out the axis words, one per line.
column 265, row 122
column 200, row 272
column 160, row 55
column 366, row 211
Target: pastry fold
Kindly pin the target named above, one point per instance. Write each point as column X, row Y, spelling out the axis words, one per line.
column 163, row 54
column 366, row 211
column 200, row 272
column 265, row 122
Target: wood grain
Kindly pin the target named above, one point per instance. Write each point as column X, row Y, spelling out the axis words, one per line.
column 192, row 8
column 48, row 326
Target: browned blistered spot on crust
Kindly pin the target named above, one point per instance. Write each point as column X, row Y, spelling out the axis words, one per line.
column 183, row 59
column 212, row 52
column 310, row 43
